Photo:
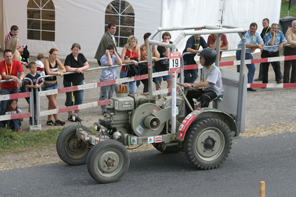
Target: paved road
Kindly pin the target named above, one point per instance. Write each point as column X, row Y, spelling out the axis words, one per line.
column 151, row 173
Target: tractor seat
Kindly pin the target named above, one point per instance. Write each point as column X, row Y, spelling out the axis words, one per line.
column 197, row 102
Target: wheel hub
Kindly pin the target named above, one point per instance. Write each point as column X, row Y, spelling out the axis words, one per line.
column 209, row 143
column 75, row 147
column 109, row 162
column 75, row 144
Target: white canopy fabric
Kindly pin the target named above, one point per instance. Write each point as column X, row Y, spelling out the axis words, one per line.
column 84, row 21
column 79, row 21
column 1, row 25
column 236, row 13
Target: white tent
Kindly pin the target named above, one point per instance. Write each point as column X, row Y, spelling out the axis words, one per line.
column 68, row 21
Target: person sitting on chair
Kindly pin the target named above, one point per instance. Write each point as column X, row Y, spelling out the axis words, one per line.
column 210, row 83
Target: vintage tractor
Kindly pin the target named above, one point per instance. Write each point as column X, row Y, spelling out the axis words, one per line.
column 205, row 135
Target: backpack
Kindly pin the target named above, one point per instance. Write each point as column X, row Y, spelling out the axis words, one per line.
column 25, row 55
column 132, row 70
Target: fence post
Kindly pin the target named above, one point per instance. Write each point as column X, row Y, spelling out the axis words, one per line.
column 33, row 127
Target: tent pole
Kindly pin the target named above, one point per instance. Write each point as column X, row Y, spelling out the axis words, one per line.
column 2, row 33
column 222, row 8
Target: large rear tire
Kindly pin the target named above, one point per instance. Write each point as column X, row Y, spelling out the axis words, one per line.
column 108, row 161
column 70, row 148
column 207, row 143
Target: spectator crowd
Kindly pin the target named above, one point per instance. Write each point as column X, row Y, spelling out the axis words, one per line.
column 16, row 59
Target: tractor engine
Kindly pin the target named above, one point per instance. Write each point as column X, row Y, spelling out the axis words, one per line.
column 132, row 114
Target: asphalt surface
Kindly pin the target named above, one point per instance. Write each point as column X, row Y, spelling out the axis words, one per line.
column 271, row 159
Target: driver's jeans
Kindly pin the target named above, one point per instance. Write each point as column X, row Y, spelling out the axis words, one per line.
column 205, row 98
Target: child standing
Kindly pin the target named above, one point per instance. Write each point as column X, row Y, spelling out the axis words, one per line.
column 33, row 75
column 40, row 65
column 12, row 108
column 109, row 59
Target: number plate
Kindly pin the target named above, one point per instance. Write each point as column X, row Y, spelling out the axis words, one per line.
column 175, row 61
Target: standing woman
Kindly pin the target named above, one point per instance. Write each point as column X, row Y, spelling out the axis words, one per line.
column 12, row 45
column 75, row 62
column 130, row 54
column 51, row 67
column 144, row 66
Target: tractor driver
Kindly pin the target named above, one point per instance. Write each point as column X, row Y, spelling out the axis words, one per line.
column 210, row 85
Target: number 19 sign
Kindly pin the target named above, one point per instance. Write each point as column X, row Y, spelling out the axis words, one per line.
column 175, row 62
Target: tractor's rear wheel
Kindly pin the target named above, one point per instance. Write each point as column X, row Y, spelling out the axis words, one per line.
column 108, row 161
column 207, row 143
column 70, row 148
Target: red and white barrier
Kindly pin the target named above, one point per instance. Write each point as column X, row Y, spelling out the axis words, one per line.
column 101, row 84
column 271, row 85
column 157, row 92
column 15, row 116
column 158, row 74
column 261, row 60
column 75, row 107
column 14, row 96
column 135, row 78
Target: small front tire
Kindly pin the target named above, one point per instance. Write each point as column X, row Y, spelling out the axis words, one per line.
column 108, row 161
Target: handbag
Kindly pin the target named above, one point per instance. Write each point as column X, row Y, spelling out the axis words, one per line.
column 132, row 70
column 159, row 67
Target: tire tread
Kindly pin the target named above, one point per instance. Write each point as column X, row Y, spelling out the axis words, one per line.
column 189, row 140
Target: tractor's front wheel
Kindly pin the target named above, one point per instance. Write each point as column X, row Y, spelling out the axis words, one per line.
column 207, row 143
column 70, row 148
column 108, row 161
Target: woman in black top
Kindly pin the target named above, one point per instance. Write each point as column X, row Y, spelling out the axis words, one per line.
column 75, row 62
column 51, row 67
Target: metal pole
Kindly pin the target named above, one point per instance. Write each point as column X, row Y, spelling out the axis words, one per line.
column 218, row 40
column 32, row 106
column 215, row 31
column 150, row 80
column 173, row 119
column 31, row 100
column 240, row 85
column 38, row 102
column 174, row 95
column 37, row 107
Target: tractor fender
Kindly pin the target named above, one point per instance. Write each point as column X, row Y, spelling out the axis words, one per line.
column 206, row 113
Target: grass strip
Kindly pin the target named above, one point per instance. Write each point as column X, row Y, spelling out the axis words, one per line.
column 11, row 141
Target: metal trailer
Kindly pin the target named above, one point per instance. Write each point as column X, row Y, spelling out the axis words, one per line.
column 205, row 135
